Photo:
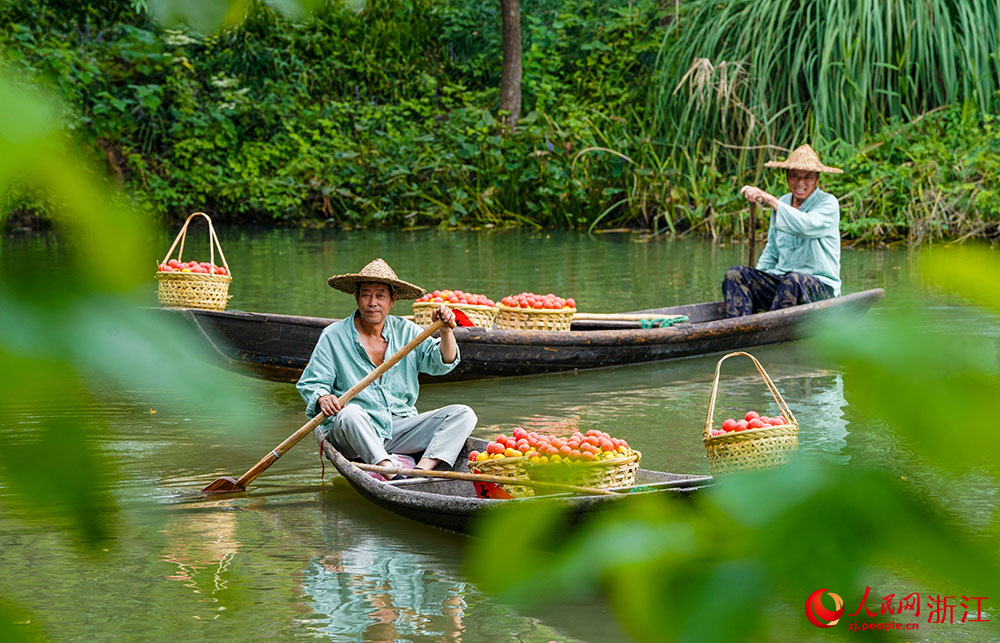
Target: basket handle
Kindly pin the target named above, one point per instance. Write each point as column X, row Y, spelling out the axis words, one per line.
column 763, row 374
column 213, row 242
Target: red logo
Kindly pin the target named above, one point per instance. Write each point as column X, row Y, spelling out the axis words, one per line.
column 819, row 615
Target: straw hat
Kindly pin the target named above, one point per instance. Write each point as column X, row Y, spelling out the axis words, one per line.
column 804, row 158
column 379, row 272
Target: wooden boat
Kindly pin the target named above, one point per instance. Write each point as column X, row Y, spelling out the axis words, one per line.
column 454, row 505
column 277, row 347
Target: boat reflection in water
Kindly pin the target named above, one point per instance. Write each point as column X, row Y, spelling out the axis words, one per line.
column 823, row 406
column 375, row 586
column 361, row 591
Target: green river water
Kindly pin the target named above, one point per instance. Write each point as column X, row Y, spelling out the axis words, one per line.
column 302, row 558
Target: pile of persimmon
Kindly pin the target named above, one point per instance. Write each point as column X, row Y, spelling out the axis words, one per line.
column 543, row 449
column 457, row 297
column 752, row 420
column 202, row 267
column 538, row 302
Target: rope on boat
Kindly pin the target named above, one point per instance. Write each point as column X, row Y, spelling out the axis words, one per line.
column 208, row 338
column 663, row 322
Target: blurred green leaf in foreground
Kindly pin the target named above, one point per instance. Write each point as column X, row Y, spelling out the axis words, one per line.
column 78, row 330
column 75, row 331
column 737, row 562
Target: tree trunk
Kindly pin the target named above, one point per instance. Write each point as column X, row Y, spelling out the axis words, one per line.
column 510, row 75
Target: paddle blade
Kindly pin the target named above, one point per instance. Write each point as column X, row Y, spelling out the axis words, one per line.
column 224, row 484
column 462, row 319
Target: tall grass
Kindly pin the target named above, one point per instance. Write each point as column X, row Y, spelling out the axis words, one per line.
column 745, row 75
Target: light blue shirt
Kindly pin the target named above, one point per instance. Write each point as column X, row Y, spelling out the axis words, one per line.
column 339, row 361
column 805, row 239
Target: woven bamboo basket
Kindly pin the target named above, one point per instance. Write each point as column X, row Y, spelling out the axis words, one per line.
column 606, row 474
column 192, row 289
column 534, row 318
column 505, row 468
column 763, row 448
column 481, row 316
column 603, row 474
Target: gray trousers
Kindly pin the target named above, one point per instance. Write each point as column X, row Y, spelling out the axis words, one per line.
column 438, row 434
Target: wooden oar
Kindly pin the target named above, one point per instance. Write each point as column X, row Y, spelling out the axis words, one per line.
column 482, row 477
column 227, row 484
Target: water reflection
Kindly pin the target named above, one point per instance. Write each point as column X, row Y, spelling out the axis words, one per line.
column 383, row 595
column 378, row 577
column 823, row 407
column 202, row 545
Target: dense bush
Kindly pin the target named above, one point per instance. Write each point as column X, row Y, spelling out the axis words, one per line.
column 388, row 115
column 933, row 178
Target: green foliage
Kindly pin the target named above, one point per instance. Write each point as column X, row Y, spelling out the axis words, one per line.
column 965, row 277
column 733, row 563
column 385, row 112
column 931, row 179
column 384, row 115
column 70, row 325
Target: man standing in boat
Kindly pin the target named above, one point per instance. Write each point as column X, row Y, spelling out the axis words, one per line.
column 801, row 260
column 382, row 418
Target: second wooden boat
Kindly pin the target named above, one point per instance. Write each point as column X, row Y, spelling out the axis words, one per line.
column 277, row 347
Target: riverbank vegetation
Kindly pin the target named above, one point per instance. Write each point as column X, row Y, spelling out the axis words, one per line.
column 385, row 112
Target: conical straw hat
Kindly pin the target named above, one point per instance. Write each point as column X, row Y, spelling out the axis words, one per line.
column 377, row 271
column 804, row 158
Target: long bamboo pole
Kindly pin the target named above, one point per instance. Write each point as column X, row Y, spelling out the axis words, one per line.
column 621, row 316
column 482, row 477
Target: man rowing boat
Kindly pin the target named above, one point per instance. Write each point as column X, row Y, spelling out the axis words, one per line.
column 801, row 260
column 382, row 418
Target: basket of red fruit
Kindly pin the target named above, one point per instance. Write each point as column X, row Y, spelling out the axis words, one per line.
column 528, row 311
column 754, row 441
column 193, row 284
column 480, row 309
column 594, row 459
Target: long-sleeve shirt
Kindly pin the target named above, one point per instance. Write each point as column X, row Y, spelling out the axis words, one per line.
column 805, row 239
column 339, row 361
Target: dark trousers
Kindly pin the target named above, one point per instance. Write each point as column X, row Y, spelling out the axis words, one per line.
column 747, row 290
